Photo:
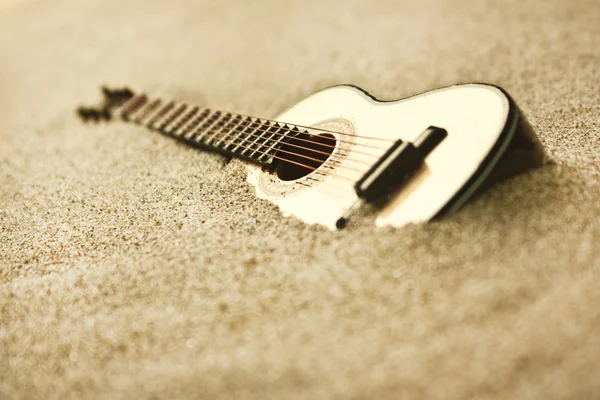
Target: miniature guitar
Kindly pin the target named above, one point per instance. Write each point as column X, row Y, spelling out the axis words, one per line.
column 413, row 159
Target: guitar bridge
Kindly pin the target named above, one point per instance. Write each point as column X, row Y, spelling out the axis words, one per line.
column 393, row 170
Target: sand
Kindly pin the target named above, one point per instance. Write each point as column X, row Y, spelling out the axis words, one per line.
column 135, row 267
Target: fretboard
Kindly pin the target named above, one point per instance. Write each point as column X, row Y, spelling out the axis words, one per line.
column 253, row 139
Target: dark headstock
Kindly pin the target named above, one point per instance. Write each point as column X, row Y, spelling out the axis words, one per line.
column 112, row 98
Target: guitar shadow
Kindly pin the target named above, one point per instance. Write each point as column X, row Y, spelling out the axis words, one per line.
column 552, row 196
column 553, row 208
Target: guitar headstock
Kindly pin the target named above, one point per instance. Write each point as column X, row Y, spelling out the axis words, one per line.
column 112, row 98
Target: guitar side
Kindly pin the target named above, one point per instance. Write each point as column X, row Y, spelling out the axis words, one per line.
column 483, row 125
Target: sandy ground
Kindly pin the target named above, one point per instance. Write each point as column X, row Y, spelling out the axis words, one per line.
column 134, row 267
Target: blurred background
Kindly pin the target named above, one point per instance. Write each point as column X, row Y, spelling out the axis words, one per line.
column 132, row 267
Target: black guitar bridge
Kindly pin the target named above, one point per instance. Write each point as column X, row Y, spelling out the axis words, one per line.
column 393, row 169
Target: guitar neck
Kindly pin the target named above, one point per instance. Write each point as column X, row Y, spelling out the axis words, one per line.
column 252, row 139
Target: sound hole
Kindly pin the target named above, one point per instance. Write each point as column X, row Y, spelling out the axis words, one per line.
column 303, row 154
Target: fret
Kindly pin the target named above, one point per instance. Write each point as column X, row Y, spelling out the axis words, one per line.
column 180, row 127
column 277, row 134
column 175, row 126
column 263, row 137
column 288, row 133
column 132, row 105
column 247, row 136
column 187, row 130
column 169, row 118
column 151, row 120
column 206, row 117
column 238, row 138
column 198, row 133
column 182, row 123
column 158, row 114
column 216, row 130
column 230, row 130
column 145, row 111
column 257, row 137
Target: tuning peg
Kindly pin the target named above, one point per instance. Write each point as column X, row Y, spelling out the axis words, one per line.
column 116, row 96
column 93, row 114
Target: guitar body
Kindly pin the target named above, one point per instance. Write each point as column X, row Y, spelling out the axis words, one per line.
column 413, row 159
column 488, row 139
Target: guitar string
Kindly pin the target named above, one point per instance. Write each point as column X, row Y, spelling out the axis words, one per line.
column 156, row 111
column 271, row 120
column 304, row 127
column 219, row 136
column 322, row 144
column 159, row 113
column 222, row 135
column 308, row 167
column 152, row 114
column 248, row 147
column 253, row 133
column 212, row 111
column 262, row 130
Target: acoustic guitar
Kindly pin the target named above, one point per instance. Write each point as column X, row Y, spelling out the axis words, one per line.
column 412, row 159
